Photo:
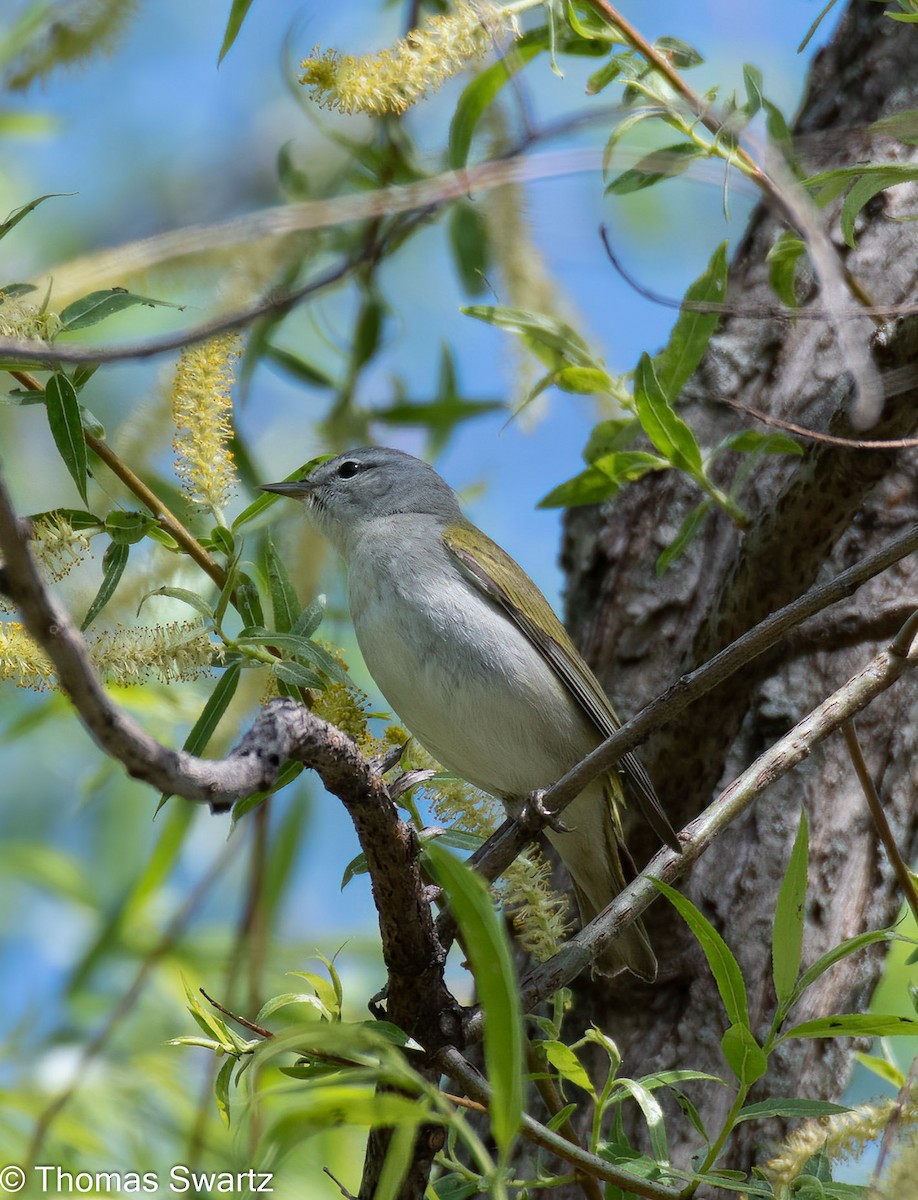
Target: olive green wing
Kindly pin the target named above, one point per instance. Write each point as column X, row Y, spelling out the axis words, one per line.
column 483, row 562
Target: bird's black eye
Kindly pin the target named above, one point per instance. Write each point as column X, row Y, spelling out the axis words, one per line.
column 349, row 468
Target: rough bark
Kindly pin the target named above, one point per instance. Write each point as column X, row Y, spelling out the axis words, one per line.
column 812, row 517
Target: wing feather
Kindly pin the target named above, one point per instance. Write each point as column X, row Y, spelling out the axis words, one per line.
column 483, row 562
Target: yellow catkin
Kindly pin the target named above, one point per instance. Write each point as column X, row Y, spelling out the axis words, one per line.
column 57, row 545
column 396, row 78
column 173, row 652
column 25, row 321
column 21, row 659
column 202, row 414
column 842, row 1136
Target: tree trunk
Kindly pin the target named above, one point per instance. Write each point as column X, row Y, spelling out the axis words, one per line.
column 811, row 518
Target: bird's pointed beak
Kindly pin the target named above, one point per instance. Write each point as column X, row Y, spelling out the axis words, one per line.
column 298, row 489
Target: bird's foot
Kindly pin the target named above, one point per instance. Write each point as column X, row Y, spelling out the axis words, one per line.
column 534, row 816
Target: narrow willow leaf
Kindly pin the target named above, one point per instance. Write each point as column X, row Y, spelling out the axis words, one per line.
column 483, row 90
column 67, row 428
column 787, row 935
column 886, row 1070
column 667, row 431
column 97, row 306
column 221, row 1090
column 676, row 363
column 185, row 595
column 285, row 603
column 470, row 246
column 19, row 213
column 567, row 1064
column 661, row 164
column 128, row 528
column 485, row 940
column 310, row 618
column 855, row 1025
column 298, row 675
column 685, row 535
column 747, row 1059
column 653, row 1115
column 113, row 563
column 789, row 1108
column 217, row 703
column 233, row 25
column 837, row 953
column 724, row 967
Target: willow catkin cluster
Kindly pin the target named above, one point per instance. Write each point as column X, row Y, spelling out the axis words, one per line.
column 202, row 412
column 393, row 79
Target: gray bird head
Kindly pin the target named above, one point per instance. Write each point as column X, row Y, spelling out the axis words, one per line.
column 343, row 493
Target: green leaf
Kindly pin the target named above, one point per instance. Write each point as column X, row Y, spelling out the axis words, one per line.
column 285, row 604
column 837, row 953
column 485, row 942
column 609, row 437
column 665, row 163
column 667, row 431
column 301, row 647
column 288, row 772
column 298, row 675
column 885, row 1070
column 603, row 479
column 469, row 242
column 901, row 125
column 677, row 362
column 782, row 259
column 67, row 428
column 752, row 441
column 653, row 1115
column 310, row 618
column 787, row 936
column 855, row 1025
column 682, row 55
column 218, row 701
column 483, row 89
column 789, row 1108
column 368, row 330
column 113, row 563
column 19, row 213
column 724, row 966
column 567, row 1064
column 233, row 25
column 299, row 368
column 97, row 306
column 748, row 1061
column 583, row 381
column 553, row 342
column 127, row 528
column 185, row 595
column 221, row 1090
column 690, row 526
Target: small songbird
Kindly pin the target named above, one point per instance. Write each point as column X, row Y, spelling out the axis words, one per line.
column 470, row 655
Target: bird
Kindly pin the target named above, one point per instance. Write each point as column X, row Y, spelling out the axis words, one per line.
column 474, row 661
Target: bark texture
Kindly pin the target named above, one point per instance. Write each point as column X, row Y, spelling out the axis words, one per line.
column 812, row 517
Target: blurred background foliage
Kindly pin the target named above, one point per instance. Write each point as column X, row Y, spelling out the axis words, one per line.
column 104, row 910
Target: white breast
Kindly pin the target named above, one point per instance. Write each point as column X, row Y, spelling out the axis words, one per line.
column 463, row 678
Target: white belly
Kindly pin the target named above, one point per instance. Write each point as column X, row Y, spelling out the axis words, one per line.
column 469, row 685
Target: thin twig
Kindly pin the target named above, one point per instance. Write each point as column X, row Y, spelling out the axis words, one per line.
column 885, row 833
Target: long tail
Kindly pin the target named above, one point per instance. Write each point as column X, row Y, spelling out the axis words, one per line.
column 591, row 854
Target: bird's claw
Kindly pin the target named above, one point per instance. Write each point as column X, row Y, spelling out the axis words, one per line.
column 534, row 816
